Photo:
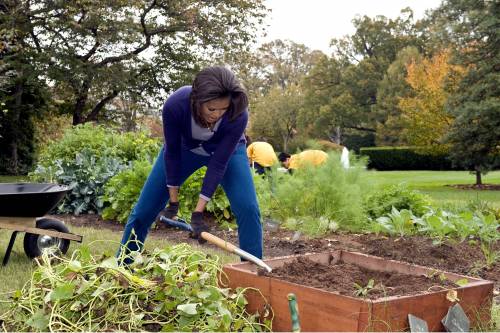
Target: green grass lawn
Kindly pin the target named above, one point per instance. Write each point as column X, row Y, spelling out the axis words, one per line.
column 12, row 179
column 434, row 184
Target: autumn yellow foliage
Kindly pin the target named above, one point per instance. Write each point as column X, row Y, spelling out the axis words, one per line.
column 423, row 112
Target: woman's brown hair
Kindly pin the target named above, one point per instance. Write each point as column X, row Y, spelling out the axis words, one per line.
column 217, row 82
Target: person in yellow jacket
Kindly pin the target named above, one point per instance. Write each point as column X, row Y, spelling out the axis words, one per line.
column 296, row 161
column 261, row 156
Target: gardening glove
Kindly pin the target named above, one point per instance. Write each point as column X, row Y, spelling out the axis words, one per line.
column 170, row 212
column 198, row 226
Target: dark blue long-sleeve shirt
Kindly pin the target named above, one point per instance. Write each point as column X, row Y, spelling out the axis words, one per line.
column 177, row 132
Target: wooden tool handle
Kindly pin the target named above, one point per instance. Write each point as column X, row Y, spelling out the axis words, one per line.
column 218, row 241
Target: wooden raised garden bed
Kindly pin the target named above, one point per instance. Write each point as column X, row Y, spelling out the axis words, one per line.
column 321, row 310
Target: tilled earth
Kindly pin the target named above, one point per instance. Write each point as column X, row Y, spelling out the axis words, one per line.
column 462, row 258
column 342, row 277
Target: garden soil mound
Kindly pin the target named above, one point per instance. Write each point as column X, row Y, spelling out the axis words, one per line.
column 342, row 278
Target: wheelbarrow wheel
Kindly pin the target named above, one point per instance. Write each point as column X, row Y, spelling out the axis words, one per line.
column 35, row 244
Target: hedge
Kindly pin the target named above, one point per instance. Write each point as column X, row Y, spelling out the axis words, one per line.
column 405, row 158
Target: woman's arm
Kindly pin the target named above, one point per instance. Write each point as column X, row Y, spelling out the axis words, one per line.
column 218, row 163
column 200, row 206
column 173, row 194
column 172, row 135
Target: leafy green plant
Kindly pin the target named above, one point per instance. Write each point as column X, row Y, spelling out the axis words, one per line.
column 380, row 202
column 312, row 226
column 122, row 191
column 362, row 291
column 85, row 158
column 491, row 256
column 437, row 224
column 489, row 235
column 85, row 176
column 173, row 289
column 441, row 224
column 483, row 206
column 100, row 141
column 189, row 193
column 400, row 223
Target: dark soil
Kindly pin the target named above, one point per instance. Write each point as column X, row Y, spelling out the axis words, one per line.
column 340, row 277
column 462, row 258
column 486, row 187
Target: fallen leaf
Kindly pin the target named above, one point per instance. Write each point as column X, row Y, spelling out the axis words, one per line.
column 452, row 296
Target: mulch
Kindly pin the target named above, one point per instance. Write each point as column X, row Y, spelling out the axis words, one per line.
column 482, row 187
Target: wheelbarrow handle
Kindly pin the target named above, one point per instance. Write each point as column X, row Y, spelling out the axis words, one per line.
column 225, row 245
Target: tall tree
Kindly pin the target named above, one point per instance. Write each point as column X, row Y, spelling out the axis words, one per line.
column 285, row 63
column 475, row 133
column 275, row 73
column 22, row 98
column 358, row 65
column 327, row 107
column 390, row 90
column 274, row 119
column 423, row 112
column 91, row 51
column 277, row 63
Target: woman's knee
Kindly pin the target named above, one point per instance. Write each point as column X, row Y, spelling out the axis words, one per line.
column 247, row 210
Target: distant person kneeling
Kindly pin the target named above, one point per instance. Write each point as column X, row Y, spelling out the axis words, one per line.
column 296, row 161
column 261, row 156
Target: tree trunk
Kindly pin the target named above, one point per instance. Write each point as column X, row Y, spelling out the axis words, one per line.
column 338, row 135
column 81, row 101
column 94, row 114
column 79, row 108
column 478, row 177
column 14, row 154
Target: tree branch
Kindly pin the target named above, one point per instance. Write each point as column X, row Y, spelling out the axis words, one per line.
column 147, row 34
column 94, row 48
column 361, row 128
column 95, row 111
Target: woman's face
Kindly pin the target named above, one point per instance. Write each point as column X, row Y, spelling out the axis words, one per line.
column 214, row 109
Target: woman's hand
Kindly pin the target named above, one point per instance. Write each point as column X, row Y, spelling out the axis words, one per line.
column 198, row 226
column 170, row 212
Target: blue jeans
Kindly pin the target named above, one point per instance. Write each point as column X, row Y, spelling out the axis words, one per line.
column 237, row 183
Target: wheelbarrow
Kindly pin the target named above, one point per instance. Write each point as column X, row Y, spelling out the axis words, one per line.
column 22, row 207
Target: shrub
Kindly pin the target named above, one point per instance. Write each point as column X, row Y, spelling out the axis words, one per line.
column 320, row 195
column 50, row 128
column 356, row 141
column 99, row 141
column 85, row 158
column 122, row 191
column 323, row 145
column 86, row 176
column 404, row 158
column 381, row 201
